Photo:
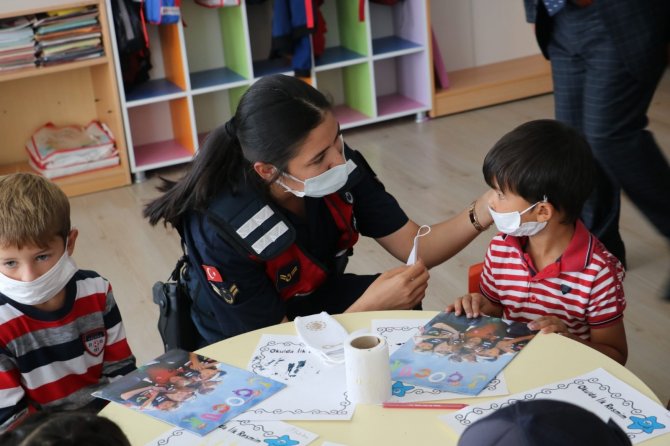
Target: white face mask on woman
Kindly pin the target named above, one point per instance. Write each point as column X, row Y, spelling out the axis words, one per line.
column 510, row 222
column 321, row 185
column 44, row 287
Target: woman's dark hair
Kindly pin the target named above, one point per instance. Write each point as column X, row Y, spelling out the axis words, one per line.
column 543, row 158
column 275, row 116
column 46, row 428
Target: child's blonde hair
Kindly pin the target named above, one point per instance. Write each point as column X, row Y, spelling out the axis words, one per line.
column 33, row 211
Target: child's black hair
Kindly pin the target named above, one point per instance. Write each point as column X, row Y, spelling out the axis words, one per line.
column 543, row 158
column 45, row 428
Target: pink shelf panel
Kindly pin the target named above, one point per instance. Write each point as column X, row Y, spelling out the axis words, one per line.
column 161, row 152
column 396, row 103
column 347, row 115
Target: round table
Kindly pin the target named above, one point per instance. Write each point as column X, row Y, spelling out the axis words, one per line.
column 547, row 359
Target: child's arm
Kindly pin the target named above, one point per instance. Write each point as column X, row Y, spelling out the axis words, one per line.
column 609, row 340
column 118, row 359
column 474, row 305
column 13, row 401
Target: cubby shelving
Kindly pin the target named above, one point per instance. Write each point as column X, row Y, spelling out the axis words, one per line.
column 372, row 70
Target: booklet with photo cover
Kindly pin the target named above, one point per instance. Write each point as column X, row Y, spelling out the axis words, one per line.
column 190, row 391
column 458, row 354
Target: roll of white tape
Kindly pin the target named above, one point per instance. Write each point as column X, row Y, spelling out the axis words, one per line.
column 366, row 358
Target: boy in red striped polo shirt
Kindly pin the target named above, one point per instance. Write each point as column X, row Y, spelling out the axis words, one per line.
column 61, row 335
column 544, row 267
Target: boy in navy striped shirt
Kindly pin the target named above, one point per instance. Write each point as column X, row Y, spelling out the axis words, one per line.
column 544, row 267
column 61, row 335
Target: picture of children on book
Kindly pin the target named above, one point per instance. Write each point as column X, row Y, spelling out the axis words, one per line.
column 480, row 341
column 165, row 385
column 458, row 354
column 190, row 391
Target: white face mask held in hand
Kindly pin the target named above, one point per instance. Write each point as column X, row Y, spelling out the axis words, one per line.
column 423, row 230
column 510, row 222
column 44, row 287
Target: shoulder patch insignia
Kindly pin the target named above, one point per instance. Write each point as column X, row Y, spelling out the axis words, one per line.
column 94, row 341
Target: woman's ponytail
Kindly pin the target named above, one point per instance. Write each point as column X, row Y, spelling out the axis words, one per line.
column 219, row 164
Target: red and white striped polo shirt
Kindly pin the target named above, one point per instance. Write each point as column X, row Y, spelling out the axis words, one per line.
column 583, row 287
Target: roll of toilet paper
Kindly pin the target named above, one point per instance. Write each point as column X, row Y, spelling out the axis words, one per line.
column 366, row 358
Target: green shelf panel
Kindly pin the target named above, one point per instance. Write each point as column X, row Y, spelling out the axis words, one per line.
column 353, row 33
column 235, row 49
column 357, row 88
column 234, row 96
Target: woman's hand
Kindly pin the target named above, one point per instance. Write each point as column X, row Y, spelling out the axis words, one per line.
column 474, row 305
column 401, row 288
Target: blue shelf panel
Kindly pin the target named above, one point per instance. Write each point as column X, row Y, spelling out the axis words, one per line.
column 391, row 44
column 152, row 89
column 214, row 77
column 337, row 54
column 271, row 66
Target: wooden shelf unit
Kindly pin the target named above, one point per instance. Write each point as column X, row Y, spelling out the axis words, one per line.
column 492, row 84
column 372, row 70
column 71, row 93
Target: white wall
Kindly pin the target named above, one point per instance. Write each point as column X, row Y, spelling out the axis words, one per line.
column 479, row 32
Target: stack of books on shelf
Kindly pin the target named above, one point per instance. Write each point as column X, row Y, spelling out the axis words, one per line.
column 66, row 36
column 17, row 44
column 56, row 152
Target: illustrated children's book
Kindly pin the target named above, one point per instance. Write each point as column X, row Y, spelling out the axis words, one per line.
column 399, row 331
column 458, row 354
column 190, row 391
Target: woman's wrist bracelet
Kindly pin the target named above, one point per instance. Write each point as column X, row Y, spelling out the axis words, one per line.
column 473, row 217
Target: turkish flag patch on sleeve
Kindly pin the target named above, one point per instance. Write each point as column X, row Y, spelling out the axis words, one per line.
column 212, row 273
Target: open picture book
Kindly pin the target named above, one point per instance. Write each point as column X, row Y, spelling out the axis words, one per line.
column 190, row 391
column 458, row 354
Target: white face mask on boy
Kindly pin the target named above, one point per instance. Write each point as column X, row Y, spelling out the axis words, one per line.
column 510, row 222
column 44, row 287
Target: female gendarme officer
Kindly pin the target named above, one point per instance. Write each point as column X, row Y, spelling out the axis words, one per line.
column 271, row 208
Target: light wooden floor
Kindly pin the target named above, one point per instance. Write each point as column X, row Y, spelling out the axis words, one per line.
column 434, row 170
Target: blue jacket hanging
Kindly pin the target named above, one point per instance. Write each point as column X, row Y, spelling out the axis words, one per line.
column 290, row 34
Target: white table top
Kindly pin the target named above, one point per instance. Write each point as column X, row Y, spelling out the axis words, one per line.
column 547, row 359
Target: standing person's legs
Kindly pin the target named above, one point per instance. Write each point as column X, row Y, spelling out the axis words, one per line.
column 570, row 67
column 615, row 121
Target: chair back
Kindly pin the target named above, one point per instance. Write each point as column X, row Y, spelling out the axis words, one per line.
column 474, row 273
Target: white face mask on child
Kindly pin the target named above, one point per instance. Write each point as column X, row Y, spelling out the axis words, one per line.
column 44, row 287
column 510, row 222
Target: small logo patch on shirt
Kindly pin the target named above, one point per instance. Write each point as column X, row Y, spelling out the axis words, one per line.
column 287, row 275
column 228, row 293
column 565, row 289
column 94, row 341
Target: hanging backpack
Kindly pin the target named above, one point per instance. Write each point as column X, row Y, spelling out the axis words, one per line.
column 131, row 43
column 162, row 12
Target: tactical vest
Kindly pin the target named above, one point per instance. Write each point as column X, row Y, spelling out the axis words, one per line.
column 257, row 229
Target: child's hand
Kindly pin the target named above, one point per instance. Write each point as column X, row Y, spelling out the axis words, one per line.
column 472, row 305
column 548, row 324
